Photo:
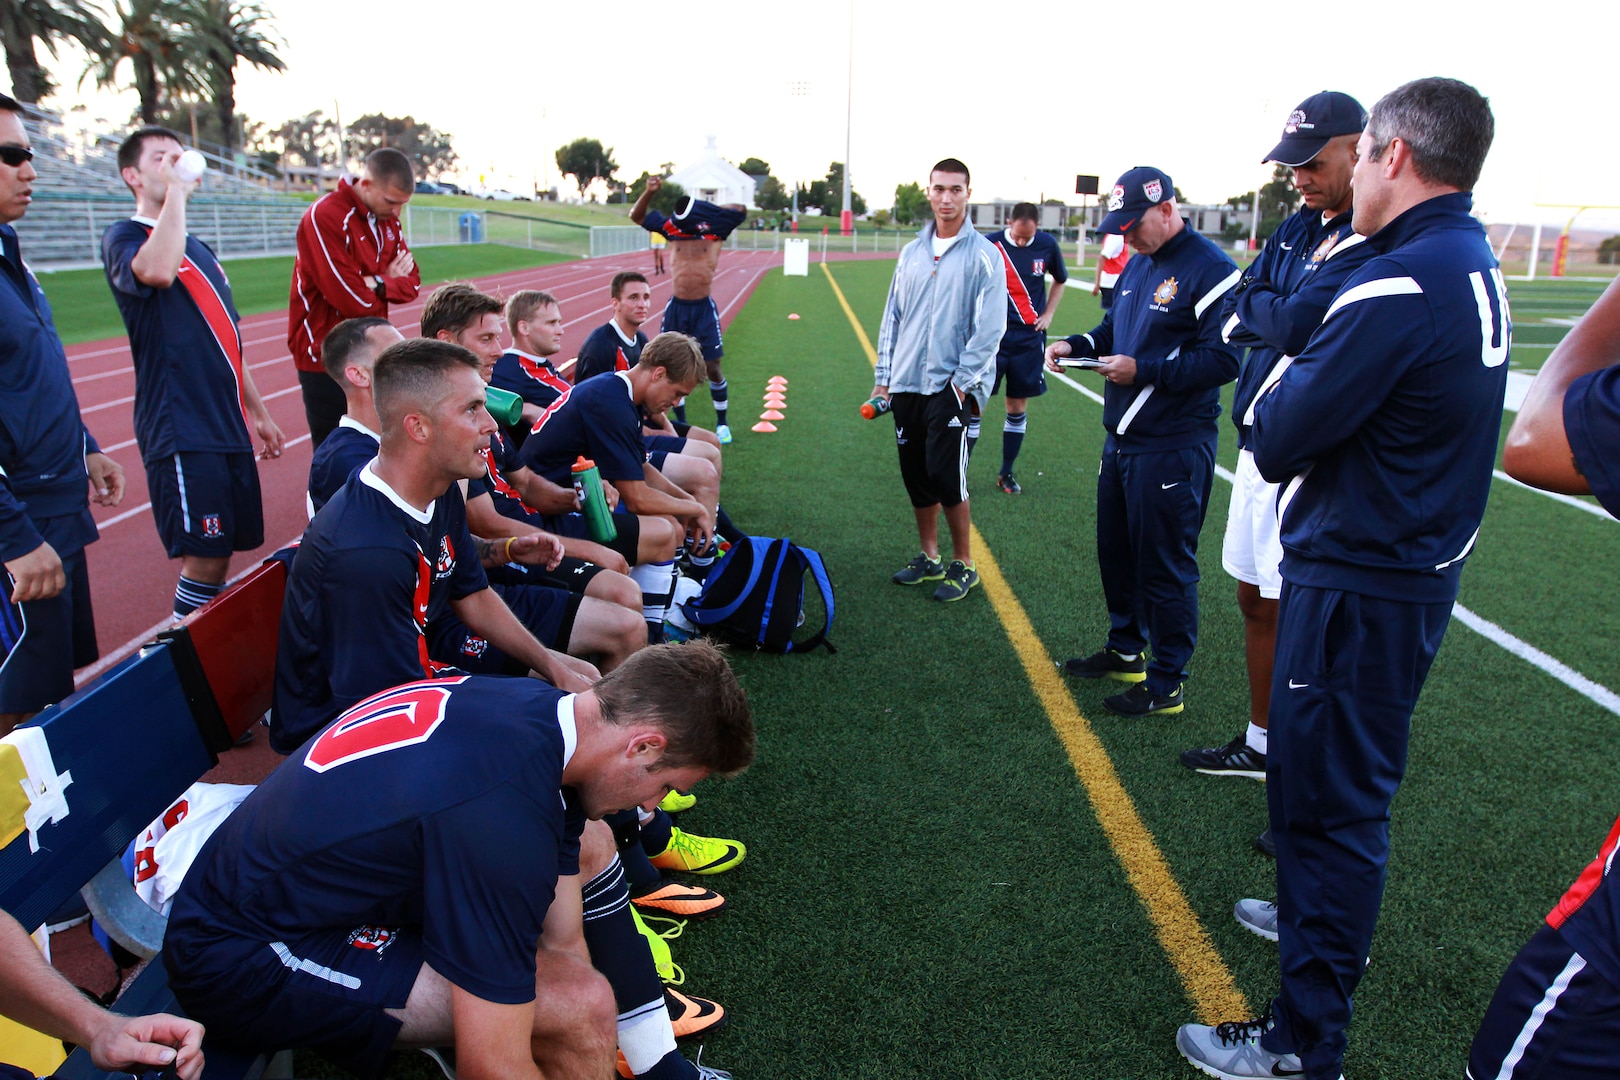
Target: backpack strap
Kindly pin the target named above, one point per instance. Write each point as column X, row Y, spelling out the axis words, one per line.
column 818, row 570
column 784, row 548
column 702, row 616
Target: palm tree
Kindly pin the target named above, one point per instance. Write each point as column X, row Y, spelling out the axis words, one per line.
column 153, row 35
column 22, row 22
column 223, row 32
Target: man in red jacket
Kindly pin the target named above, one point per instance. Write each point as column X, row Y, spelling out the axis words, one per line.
column 352, row 262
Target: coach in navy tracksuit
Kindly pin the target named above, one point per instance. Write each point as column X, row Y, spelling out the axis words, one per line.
column 1383, row 432
column 1164, row 360
column 48, row 460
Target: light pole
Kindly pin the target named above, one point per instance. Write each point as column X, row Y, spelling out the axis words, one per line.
column 846, row 220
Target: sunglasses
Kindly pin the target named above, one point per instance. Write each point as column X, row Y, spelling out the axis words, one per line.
column 14, row 156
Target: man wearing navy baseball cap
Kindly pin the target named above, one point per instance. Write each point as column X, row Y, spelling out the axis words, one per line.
column 1159, row 347
column 1282, row 298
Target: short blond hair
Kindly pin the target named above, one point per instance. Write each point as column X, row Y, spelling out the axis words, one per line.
column 677, row 354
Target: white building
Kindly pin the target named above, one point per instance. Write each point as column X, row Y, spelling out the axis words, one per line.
column 714, row 179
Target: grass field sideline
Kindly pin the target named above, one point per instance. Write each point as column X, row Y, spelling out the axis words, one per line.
column 83, row 304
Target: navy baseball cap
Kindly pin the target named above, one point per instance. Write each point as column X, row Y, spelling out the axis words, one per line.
column 1136, row 191
column 1318, row 119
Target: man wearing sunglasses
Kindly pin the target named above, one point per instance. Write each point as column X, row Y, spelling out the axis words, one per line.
column 48, row 463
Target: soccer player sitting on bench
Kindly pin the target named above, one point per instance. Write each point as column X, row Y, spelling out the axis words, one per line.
column 444, row 907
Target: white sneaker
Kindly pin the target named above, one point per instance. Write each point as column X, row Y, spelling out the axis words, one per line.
column 1232, row 1051
column 1257, row 917
column 723, row 433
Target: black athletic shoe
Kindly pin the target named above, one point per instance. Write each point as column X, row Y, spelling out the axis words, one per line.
column 1006, row 483
column 1236, row 758
column 1141, row 701
column 1265, row 845
column 919, row 570
column 1108, row 664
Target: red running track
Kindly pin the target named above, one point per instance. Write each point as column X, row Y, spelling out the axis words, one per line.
column 132, row 580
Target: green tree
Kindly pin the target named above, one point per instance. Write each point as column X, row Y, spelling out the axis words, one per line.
column 225, row 32
column 910, row 204
column 429, row 149
column 771, row 195
column 308, row 140
column 664, row 200
column 755, row 167
column 586, row 160
column 828, row 195
column 23, row 23
column 155, row 37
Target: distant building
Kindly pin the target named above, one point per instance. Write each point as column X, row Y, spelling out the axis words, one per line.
column 714, row 179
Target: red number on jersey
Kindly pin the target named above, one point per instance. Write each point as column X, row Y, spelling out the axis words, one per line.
column 403, row 716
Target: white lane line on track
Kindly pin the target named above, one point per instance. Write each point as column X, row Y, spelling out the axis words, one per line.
column 1559, row 670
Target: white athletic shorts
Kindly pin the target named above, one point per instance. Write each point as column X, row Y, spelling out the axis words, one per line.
column 1253, row 550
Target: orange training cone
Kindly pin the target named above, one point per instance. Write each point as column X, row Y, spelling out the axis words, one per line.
column 777, row 400
column 763, row 426
column 776, row 380
column 771, row 414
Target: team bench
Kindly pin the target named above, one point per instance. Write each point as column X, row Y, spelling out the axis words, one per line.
column 116, row 754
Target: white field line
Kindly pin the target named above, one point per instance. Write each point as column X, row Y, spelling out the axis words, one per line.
column 1559, row 670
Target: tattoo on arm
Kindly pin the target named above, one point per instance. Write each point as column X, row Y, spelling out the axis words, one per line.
column 486, row 551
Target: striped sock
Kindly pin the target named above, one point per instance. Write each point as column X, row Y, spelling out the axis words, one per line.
column 619, row 953
column 1012, row 439
column 973, row 433
column 190, row 595
column 717, row 391
column 657, row 582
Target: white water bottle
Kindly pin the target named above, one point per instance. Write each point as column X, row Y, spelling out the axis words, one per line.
column 191, row 165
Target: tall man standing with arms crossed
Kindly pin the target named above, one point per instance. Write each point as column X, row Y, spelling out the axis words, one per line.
column 691, row 309
column 1383, row 433
column 352, row 263
column 194, row 396
column 942, row 325
column 48, row 461
column 1280, row 301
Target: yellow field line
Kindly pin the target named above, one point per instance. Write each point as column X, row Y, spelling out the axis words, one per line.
column 1203, row 973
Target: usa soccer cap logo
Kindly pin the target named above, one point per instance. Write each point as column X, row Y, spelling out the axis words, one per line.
column 1136, row 191
column 1314, row 123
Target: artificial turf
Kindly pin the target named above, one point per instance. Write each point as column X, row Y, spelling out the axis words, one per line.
column 928, row 892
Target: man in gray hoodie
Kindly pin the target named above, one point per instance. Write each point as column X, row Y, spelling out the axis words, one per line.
column 942, row 324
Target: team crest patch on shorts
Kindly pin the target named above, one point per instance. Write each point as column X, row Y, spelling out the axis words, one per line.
column 474, row 647
column 211, row 529
column 1166, row 291
column 372, row 938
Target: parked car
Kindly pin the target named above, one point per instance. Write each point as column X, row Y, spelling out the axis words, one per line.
column 428, row 187
column 447, row 188
column 500, row 195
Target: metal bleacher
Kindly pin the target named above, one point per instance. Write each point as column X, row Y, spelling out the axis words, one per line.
column 79, row 194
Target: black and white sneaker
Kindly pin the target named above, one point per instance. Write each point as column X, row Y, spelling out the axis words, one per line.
column 1236, row 758
column 1006, row 483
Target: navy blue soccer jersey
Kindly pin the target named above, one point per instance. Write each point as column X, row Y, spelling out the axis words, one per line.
column 1027, row 268
column 371, row 573
column 596, row 419
column 187, row 352
column 500, row 459
column 532, row 378
column 434, row 805
column 607, row 350
column 1592, row 419
column 344, row 452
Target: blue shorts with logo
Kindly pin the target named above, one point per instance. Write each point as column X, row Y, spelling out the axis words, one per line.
column 698, row 319
column 1020, row 361
column 327, row 991
column 548, row 613
column 206, row 504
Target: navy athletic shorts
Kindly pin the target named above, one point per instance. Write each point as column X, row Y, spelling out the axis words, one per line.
column 1020, row 361
column 206, row 505
column 44, row 640
column 548, row 614
column 628, row 526
column 699, row 319
column 326, row 991
column 571, row 574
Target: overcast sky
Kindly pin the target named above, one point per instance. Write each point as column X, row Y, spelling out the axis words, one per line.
column 1199, row 90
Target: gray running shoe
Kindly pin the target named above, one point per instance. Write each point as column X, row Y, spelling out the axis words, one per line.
column 1257, row 917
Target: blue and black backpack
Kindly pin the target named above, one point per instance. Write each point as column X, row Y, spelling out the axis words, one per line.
column 755, row 595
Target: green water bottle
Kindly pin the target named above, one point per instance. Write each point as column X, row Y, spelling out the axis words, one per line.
column 505, row 406
column 593, row 502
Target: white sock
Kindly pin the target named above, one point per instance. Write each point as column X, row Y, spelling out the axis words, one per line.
column 1256, row 738
column 657, row 583
column 645, row 1037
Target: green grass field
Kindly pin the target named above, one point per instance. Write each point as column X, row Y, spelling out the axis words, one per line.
column 85, row 311
column 928, row 891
